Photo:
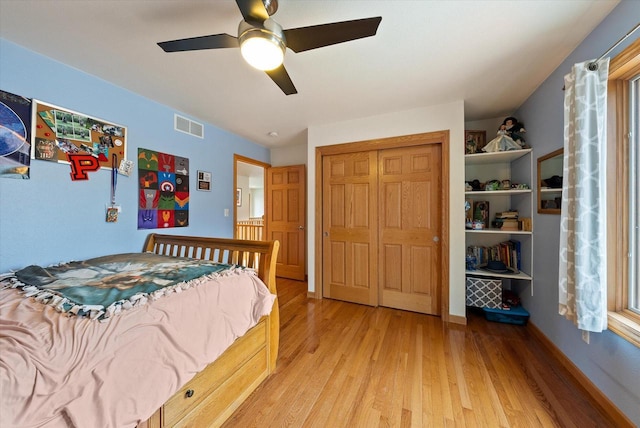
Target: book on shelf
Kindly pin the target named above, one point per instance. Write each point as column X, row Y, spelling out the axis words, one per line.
column 507, row 214
column 506, row 220
column 508, row 252
column 517, row 247
column 509, row 224
column 506, row 224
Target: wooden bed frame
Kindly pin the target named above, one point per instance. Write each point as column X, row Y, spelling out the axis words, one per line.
column 216, row 392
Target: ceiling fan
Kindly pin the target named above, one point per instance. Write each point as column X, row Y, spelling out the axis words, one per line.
column 262, row 41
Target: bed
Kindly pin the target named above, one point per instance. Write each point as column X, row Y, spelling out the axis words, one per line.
column 144, row 362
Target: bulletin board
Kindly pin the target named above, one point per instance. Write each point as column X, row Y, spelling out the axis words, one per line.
column 57, row 132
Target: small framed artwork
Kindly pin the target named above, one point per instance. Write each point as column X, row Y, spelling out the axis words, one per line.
column 481, row 216
column 474, row 141
column 238, row 197
column 204, row 181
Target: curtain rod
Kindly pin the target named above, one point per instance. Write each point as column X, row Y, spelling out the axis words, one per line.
column 593, row 66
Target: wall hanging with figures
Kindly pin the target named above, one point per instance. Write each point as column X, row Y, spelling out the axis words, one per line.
column 164, row 190
column 60, row 134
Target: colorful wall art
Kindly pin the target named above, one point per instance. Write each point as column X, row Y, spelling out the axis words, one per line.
column 15, row 135
column 58, row 132
column 164, row 190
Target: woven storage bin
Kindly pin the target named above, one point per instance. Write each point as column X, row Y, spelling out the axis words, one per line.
column 484, row 292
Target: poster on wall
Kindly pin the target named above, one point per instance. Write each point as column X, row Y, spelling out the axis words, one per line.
column 15, row 135
column 58, row 132
column 164, row 190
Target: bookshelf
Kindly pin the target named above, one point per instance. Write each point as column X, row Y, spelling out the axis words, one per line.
column 514, row 168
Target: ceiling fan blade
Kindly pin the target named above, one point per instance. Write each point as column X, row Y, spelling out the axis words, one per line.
column 281, row 78
column 214, row 41
column 316, row 36
column 253, row 10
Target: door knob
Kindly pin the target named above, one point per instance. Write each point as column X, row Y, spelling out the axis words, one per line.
column 301, row 227
column 436, row 239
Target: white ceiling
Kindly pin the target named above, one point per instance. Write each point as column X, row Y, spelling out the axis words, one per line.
column 491, row 54
column 252, row 171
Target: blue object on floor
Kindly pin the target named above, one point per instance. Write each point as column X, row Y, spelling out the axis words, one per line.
column 515, row 315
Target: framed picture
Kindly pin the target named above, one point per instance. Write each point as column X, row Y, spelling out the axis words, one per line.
column 481, row 213
column 474, row 141
column 239, row 197
column 204, row 181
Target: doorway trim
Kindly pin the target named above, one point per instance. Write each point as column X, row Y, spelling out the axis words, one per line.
column 239, row 158
column 441, row 137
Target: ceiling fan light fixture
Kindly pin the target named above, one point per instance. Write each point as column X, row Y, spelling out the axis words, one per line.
column 262, row 40
column 262, row 49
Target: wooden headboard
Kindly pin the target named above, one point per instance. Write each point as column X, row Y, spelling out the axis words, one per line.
column 259, row 255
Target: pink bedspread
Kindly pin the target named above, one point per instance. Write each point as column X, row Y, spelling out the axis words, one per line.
column 66, row 371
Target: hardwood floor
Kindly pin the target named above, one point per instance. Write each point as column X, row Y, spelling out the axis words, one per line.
column 347, row 365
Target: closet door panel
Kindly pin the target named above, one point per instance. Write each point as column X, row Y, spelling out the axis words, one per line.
column 350, row 227
column 409, row 236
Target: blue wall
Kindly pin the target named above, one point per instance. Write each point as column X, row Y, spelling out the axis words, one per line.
column 612, row 363
column 50, row 219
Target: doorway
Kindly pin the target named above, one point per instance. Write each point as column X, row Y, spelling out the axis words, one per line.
column 382, row 229
column 270, row 204
column 249, row 180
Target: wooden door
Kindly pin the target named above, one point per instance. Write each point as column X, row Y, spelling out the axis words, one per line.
column 286, row 204
column 349, row 229
column 409, row 218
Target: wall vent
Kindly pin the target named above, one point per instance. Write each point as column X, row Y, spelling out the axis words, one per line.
column 188, row 126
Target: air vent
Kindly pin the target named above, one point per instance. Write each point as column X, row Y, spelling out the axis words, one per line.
column 188, row 126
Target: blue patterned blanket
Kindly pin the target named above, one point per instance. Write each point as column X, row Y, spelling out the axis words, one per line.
column 101, row 287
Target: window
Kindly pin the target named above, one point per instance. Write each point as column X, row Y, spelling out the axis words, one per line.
column 634, row 195
column 623, row 190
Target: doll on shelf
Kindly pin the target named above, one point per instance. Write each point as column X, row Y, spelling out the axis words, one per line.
column 509, row 137
column 515, row 130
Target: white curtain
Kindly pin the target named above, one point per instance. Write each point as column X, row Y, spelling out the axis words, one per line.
column 583, row 256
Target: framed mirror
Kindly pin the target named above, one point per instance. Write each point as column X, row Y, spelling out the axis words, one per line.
column 550, row 182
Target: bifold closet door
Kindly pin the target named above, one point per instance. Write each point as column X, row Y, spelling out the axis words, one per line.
column 350, row 227
column 382, row 227
column 409, row 182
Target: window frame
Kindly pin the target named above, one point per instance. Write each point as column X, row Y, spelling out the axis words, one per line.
column 624, row 67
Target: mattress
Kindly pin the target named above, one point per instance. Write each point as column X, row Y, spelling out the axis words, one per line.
column 58, row 370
